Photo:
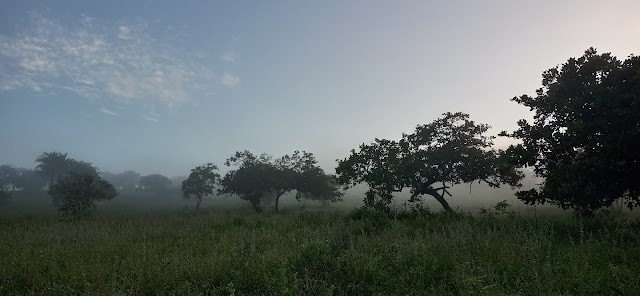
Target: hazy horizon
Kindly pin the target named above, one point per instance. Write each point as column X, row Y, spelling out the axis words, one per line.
column 160, row 87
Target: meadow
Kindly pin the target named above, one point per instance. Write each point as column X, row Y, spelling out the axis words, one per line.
column 319, row 251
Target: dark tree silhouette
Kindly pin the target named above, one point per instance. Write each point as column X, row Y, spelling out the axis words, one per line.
column 52, row 165
column 317, row 186
column 287, row 176
column 585, row 136
column 259, row 177
column 450, row 150
column 252, row 179
column 78, row 194
column 155, row 183
column 200, row 182
column 79, row 167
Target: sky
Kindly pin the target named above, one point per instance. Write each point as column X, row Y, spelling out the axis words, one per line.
column 164, row 86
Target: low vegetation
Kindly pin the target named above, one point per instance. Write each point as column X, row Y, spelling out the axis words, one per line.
column 364, row 252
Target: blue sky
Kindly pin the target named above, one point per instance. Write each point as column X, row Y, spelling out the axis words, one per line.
column 163, row 86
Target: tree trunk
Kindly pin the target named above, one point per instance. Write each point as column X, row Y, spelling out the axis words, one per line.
column 439, row 198
column 198, row 202
column 278, row 195
column 256, row 205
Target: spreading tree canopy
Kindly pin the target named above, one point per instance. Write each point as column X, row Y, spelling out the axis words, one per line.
column 258, row 177
column 585, row 135
column 253, row 178
column 200, row 182
column 78, row 193
column 54, row 166
column 450, row 150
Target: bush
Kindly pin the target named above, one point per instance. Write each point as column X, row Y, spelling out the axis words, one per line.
column 78, row 193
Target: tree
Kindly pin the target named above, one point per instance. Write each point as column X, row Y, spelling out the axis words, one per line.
column 585, row 135
column 259, row 177
column 450, row 150
column 252, row 180
column 55, row 165
column 288, row 174
column 52, row 165
column 79, row 167
column 155, row 183
column 78, row 194
column 317, row 186
column 200, row 182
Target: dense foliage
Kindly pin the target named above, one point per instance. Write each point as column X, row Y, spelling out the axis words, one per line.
column 200, row 182
column 258, row 177
column 55, row 165
column 78, row 193
column 450, row 150
column 585, row 136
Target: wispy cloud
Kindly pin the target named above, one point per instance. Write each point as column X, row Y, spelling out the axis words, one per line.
column 149, row 118
column 230, row 80
column 107, row 111
column 98, row 60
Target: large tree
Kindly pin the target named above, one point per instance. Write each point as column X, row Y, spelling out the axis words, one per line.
column 257, row 178
column 451, row 150
column 52, row 165
column 585, row 135
column 252, row 180
column 78, row 193
column 200, row 182
column 80, row 167
column 289, row 172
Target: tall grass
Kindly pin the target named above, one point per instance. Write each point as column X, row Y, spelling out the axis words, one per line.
column 318, row 253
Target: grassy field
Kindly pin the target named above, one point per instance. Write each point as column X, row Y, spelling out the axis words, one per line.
column 314, row 252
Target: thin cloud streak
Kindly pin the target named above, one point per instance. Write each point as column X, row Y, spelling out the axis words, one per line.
column 149, row 118
column 107, row 111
